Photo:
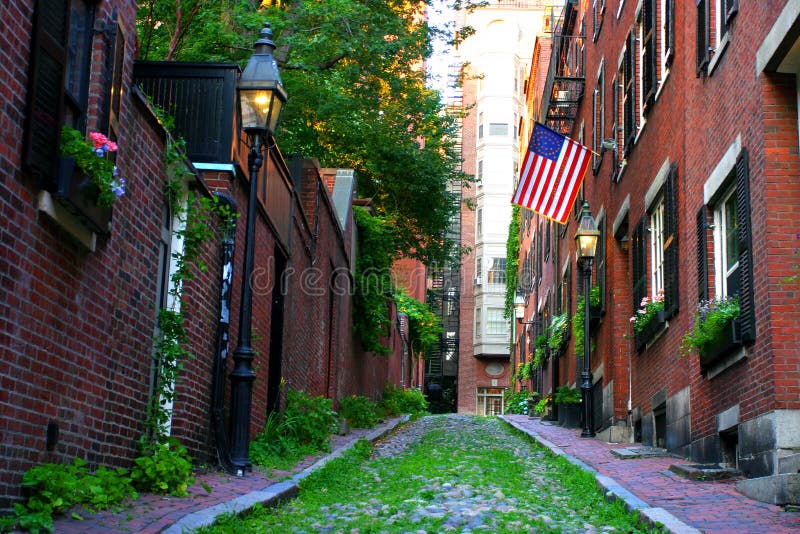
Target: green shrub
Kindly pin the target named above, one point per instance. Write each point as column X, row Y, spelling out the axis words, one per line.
column 567, row 395
column 313, row 418
column 163, row 468
column 54, row 488
column 517, row 402
column 359, row 411
column 398, row 401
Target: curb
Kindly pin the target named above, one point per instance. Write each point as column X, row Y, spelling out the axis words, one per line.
column 655, row 517
column 272, row 494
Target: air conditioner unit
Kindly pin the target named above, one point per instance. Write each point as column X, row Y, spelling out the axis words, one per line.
column 477, row 281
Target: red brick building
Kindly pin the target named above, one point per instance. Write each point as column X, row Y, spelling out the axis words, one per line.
column 81, row 286
column 692, row 109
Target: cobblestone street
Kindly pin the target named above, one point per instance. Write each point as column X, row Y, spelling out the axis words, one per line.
column 448, row 474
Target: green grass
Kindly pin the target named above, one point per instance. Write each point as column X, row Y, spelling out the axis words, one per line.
column 464, row 472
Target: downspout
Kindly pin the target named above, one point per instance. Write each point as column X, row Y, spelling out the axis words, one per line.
column 218, row 420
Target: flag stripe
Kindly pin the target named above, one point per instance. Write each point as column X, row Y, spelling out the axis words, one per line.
column 551, row 175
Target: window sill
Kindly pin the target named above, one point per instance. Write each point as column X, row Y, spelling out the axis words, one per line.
column 66, row 220
column 718, row 53
column 661, row 84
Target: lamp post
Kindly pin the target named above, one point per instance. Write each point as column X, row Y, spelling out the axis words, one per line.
column 586, row 244
column 260, row 101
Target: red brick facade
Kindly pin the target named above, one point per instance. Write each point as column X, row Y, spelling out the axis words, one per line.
column 78, row 309
column 695, row 132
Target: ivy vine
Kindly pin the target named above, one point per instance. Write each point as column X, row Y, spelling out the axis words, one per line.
column 512, row 262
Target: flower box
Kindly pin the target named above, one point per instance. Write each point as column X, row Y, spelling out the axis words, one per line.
column 728, row 339
column 655, row 325
column 78, row 194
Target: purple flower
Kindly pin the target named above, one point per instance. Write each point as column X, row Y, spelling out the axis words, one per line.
column 100, row 152
column 118, row 187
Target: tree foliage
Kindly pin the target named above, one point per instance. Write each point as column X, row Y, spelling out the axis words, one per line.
column 357, row 95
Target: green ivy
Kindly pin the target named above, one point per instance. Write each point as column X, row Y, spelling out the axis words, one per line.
column 377, row 244
column 557, row 331
column 512, row 262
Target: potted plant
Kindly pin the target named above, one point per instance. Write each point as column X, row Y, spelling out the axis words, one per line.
column 569, row 406
column 648, row 320
column 714, row 331
column 87, row 180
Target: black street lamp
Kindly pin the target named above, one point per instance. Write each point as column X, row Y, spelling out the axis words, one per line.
column 261, row 97
column 586, row 245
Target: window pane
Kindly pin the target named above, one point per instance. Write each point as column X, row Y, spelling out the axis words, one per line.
column 496, row 324
column 498, row 128
column 731, row 238
column 497, row 272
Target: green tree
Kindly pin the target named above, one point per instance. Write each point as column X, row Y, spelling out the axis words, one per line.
column 357, row 95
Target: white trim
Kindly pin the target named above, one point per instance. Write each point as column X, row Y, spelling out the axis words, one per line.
column 229, row 167
column 722, row 170
column 655, row 187
column 719, row 51
column 783, row 23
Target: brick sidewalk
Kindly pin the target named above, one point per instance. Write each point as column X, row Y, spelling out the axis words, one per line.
column 151, row 514
column 709, row 506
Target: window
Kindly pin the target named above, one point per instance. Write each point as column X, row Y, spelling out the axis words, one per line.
column 490, row 401
column 600, row 262
column 714, row 18
column 61, row 54
column 497, row 271
column 732, row 247
column 479, row 224
column 480, row 172
column 498, row 128
column 598, row 10
column 647, row 36
column 628, row 75
column 616, row 131
column 598, row 114
column 478, row 333
column 478, row 268
column 668, row 33
column 656, row 230
column 726, row 247
column 496, row 324
column 480, row 125
column 565, row 291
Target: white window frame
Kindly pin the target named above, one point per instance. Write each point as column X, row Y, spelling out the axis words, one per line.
column 496, row 324
column 721, row 268
column 657, row 248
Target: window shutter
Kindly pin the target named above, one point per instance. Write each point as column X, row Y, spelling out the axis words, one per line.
column 703, row 38
column 638, row 248
column 649, row 44
column 45, row 94
column 671, row 281
column 746, row 297
column 112, row 74
column 669, row 31
column 601, row 265
column 630, row 91
column 702, row 255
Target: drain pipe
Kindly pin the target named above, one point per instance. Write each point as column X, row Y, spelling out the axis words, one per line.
column 218, row 421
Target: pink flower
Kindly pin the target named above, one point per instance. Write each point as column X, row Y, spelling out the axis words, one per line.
column 633, row 319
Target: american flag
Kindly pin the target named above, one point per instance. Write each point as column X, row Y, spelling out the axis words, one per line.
column 551, row 174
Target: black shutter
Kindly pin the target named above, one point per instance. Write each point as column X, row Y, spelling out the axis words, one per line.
column 639, row 253
column 649, row 45
column 671, row 281
column 601, row 265
column 630, row 91
column 46, row 90
column 110, row 72
column 669, row 31
column 702, row 255
column 703, row 38
column 746, row 297
column 731, row 8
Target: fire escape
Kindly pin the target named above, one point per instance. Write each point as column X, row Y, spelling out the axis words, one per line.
column 566, row 76
column 441, row 364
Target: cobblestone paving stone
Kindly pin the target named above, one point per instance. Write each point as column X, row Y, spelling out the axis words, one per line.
column 463, row 494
